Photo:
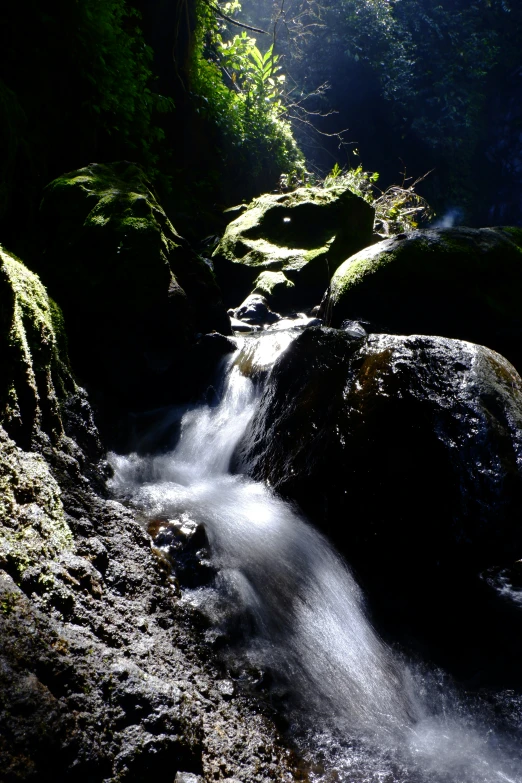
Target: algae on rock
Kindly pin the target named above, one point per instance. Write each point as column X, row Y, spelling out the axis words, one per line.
column 302, row 236
column 35, row 373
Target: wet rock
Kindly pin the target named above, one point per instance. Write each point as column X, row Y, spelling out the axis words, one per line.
column 337, row 409
column 187, row 777
column 242, row 326
column 407, row 452
column 98, row 661
column 354, row 329
column 185, row 546
column 256, row 311
column 226, row 688
column 464, row 283
column 286, row 246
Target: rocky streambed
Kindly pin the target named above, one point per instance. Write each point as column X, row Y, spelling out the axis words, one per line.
column 405, row 450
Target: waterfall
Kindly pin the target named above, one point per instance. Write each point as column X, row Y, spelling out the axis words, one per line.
column 361, row 709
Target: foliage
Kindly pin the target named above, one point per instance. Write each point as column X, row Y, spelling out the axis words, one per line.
column 398, row 209
column 359, row 181
column 240, row 90
column 90, row 55
column 120, row 73
column 76, row 84
column 408, row 78
column 254, row 75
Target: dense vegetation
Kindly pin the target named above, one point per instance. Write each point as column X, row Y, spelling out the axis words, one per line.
column 420, row 84
column 104, row 80
column 213, row 110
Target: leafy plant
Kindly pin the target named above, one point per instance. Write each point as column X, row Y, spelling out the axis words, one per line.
column 241, row 90
column 398, row 209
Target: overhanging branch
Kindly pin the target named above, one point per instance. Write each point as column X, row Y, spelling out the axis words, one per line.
column 220, row 13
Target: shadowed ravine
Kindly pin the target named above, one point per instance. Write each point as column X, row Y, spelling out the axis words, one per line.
column 356, row 706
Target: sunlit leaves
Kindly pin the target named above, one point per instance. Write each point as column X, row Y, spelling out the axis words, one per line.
column 241, row 88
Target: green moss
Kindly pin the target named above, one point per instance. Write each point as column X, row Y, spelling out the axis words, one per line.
column 268, row 282
column 515, row 233
column 295, row 233
column 36, row 362
column 8, row 603
column 137, row 224
column 311, row 255
column 360, row 266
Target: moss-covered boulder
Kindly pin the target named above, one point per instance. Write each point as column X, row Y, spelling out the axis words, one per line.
column 456, row 282
column 298, row 237
column 134, row 295
column 37, row 392
column 35, row 375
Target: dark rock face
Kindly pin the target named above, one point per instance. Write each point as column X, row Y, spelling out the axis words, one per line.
column 407, row 451
column 286, row 246
column 456, row 282
column 104, row 675
column 101, row 673
column 134, row 295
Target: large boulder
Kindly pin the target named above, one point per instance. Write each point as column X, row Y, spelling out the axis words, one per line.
column 285, row 246
column 407, row 451
column 456, row 282
column 134, row 295
column 37, row 396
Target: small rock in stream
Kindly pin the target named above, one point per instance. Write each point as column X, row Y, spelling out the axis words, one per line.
column 187, row 777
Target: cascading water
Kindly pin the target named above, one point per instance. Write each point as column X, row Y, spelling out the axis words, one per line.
column 379, row 719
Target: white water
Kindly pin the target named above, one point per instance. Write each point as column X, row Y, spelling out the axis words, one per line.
column 378, row 720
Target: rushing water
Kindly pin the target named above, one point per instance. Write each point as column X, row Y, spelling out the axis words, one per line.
column 360, row 712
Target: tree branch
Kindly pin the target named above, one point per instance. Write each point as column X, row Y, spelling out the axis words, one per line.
column 220, row 13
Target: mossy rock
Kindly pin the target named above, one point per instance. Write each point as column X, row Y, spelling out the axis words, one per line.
column 34, row 384
column 35, row 373
column 32, row 520
column 276, row 288
column 455, row 282
column 134, row 294
column 304, row 235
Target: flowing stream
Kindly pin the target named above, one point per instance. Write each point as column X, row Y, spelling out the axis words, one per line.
column 358, row 710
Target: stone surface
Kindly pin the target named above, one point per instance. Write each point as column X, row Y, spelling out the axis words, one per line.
column 35, row 373
column 276, row 287
column 407, row 451
column 134, row 295
column 255, row 310
column 104, row 675
column 456, row 282
column 294, row 238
